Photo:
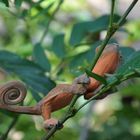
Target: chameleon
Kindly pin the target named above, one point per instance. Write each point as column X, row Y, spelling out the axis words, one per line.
column 13, row 93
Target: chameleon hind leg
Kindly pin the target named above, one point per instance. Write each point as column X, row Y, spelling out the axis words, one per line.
column 46, row 114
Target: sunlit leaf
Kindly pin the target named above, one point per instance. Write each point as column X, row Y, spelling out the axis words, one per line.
column 42, row 11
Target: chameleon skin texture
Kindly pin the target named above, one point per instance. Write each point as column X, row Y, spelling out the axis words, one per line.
column 57, row 98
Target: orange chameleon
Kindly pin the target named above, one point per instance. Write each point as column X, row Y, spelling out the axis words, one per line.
column 60, row 96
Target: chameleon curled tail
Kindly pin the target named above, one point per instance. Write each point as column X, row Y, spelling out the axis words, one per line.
column 13, row 93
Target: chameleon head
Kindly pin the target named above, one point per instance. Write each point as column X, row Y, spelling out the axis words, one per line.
column 109, row 59
column 80, row 84
column 82, row 79
column 114, row 47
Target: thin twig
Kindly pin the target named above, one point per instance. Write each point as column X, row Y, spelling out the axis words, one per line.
column 107, row 38
column 127, row 12
column 112, row 13
column 12, row 124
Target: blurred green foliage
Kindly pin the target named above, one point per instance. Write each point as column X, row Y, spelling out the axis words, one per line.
column 44, row 42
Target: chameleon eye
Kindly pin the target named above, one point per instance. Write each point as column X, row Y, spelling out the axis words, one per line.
column 121, row 59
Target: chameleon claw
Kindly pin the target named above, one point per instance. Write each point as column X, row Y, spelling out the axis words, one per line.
column 50, row 123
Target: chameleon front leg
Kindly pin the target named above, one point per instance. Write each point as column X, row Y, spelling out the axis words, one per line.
column 46, row 114
column 91, row 94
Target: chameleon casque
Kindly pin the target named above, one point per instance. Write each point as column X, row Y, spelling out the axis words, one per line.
column 14, row 92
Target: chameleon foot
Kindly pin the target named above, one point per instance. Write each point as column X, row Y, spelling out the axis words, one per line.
column 48, row 124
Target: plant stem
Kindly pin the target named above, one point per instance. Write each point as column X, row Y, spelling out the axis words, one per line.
column 94, row 97
column 110, row 86
column 12, row 124
column 120, row 22
column 112, row 13
column 49, row 22
column 107, row 38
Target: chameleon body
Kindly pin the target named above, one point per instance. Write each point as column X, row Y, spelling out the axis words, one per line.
column 107, row 63
column 13, row 93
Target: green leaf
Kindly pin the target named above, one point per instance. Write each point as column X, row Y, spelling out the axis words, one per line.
column 39, row 83
column 38, row 87
column 83, row 58
column 18, row 3
column 96, row 76
column 132, row 63
column 40, row 57
column 6, row 2
column 13, row 63
column 32, row 74
column 58, row 45
column 81, row 30
column 35, row 95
